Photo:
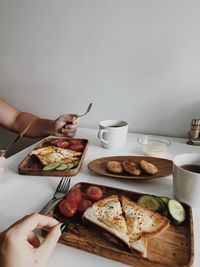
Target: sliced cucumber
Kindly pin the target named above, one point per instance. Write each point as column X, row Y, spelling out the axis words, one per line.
column 150, row 202
column 76, row 163
column 70, row 165
column 62, row 167
column 165, row 200
column 51, row 166
column 176, row 211
column 162, row 205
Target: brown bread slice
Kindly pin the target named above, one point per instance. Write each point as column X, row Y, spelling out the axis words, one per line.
column 127, row 221
column 142, row 224
column 107, row 213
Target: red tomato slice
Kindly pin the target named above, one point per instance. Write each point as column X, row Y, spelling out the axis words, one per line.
column 62, row 144
column 75, row 142
column 94, row 193
column 67, row 208
column 77, row 148
column 84, row 204
column 74, row 195
column 55, row 141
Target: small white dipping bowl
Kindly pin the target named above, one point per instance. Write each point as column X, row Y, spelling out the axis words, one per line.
column 154, row 146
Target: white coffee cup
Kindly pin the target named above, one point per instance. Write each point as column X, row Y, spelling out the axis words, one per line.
column 186, row 179
column 113, row 133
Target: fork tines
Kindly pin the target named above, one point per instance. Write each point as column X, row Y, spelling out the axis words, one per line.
column 63, row 185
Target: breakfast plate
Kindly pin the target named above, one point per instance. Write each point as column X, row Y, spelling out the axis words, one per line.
column 55, row 157
column 164, row 167
column 174, row 247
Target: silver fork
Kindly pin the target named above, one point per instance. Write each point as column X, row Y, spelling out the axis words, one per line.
column 88, row 109
column 60, row 192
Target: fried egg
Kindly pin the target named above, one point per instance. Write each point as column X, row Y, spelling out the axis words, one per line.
column 52, row 154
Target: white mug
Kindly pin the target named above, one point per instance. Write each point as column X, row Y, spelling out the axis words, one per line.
column 186, row 179
column 113, row 133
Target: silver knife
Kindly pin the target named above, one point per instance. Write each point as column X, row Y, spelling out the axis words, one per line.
column 19, row 136
column 61, row 190
column 49, row 206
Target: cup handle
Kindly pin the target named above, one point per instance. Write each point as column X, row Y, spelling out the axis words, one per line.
column 100, row 135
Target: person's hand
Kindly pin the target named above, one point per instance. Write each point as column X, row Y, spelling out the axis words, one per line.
column 20, row 246
column 65, row 125
column 2, row 164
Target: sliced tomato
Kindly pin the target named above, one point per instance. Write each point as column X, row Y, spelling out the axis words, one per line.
column 84, row 204
column 77, row 148
column 63, row 144
column 55, row 141
column 94, row 192
column 67, row 208
column 75, row 142
column 74, row 195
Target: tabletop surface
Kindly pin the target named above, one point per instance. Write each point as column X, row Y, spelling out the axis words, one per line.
column 23, row 194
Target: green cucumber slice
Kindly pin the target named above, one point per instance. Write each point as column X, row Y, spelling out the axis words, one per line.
column 70, row 165
column 150, row 202
column 76, row 163
column 176, row 211
column 51, row 166
column 62, row 167
column 162, row 205
column 165, row 200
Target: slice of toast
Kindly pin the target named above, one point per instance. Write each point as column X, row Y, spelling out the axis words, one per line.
column 127, row 221
column 142, row 224
column 107, row 213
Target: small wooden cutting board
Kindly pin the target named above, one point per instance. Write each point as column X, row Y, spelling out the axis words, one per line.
column 173, row 248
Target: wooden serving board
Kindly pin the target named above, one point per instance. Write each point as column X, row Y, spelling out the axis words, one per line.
column 32, row 166
column 164, row 167
column 173, row 248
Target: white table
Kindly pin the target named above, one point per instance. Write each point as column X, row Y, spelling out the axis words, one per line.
column 22, row 194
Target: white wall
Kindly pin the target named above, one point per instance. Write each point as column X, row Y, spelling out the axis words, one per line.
column 135, row 60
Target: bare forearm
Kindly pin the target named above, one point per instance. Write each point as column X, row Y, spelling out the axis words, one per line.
column 16, row 121
column 39, row 127
column 65, row 125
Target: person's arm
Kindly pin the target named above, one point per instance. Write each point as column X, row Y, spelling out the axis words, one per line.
column 20, row 246
column 16, row 121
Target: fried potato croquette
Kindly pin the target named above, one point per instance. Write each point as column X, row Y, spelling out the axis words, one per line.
column 131, row 167
column 148, row 167
column 114, row 166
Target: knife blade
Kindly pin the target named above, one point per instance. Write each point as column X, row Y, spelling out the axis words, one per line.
column 49, row 206
column 60, row 192
column 19, row 136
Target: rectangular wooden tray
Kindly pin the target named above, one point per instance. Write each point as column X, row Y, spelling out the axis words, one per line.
column 32, row 166
column 175, row 247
